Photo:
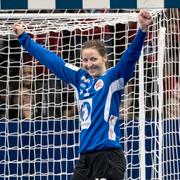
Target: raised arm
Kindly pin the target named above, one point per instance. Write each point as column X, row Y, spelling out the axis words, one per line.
column 53, row 62
column 126, row 65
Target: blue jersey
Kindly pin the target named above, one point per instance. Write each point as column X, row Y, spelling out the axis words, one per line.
column 98, row 99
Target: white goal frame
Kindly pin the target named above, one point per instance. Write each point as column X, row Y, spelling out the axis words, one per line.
column 56, row 22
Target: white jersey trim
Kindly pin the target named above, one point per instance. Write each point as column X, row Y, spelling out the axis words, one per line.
column 70, row 66
column 115, row 86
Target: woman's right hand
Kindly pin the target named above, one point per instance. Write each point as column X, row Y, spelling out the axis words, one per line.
column 18, row 29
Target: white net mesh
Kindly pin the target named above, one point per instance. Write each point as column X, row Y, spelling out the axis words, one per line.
column 39, row 127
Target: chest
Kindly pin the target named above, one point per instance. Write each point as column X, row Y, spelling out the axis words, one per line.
column 89, row 87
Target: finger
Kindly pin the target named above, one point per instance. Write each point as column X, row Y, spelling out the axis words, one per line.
column 15, row 26
column 148, row 15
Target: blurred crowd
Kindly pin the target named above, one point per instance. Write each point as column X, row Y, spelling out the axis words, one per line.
column 27, row 89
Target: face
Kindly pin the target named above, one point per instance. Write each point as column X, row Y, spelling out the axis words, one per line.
column 177, row 91
column 93, row 62
column 27, row 73
column 24, row 98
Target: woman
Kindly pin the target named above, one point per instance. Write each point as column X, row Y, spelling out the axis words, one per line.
column 99, row 95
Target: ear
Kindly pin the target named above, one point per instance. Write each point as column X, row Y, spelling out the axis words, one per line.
column 105, row 59
column 107, row 65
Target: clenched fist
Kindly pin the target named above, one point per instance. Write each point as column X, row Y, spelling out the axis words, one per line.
column 18, row 29
column 144, row 19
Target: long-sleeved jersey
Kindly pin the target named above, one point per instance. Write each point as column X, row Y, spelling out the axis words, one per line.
column 98, row 99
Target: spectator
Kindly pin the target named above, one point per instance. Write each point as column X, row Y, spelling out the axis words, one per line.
column 127, row 109
column 46, row 90
column 3, row 98
column 27, row 75
column 23, row 104
column 172, row 97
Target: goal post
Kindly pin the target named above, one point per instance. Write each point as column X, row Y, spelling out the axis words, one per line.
column 39, row 123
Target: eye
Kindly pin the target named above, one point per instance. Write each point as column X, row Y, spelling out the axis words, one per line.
column 85, row 60
column 93, row 59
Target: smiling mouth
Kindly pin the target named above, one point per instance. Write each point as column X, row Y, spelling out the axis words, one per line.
column 91, row 71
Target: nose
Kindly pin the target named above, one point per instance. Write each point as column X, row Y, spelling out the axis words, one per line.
column 89, row 64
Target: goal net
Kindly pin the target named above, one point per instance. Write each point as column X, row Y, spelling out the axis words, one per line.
column 39, row 124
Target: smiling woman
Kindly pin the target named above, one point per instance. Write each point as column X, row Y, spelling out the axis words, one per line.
column 94, row 58
column 99, row 96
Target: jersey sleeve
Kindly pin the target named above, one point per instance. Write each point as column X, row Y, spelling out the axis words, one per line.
column 54, row 63
column 126, row 65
